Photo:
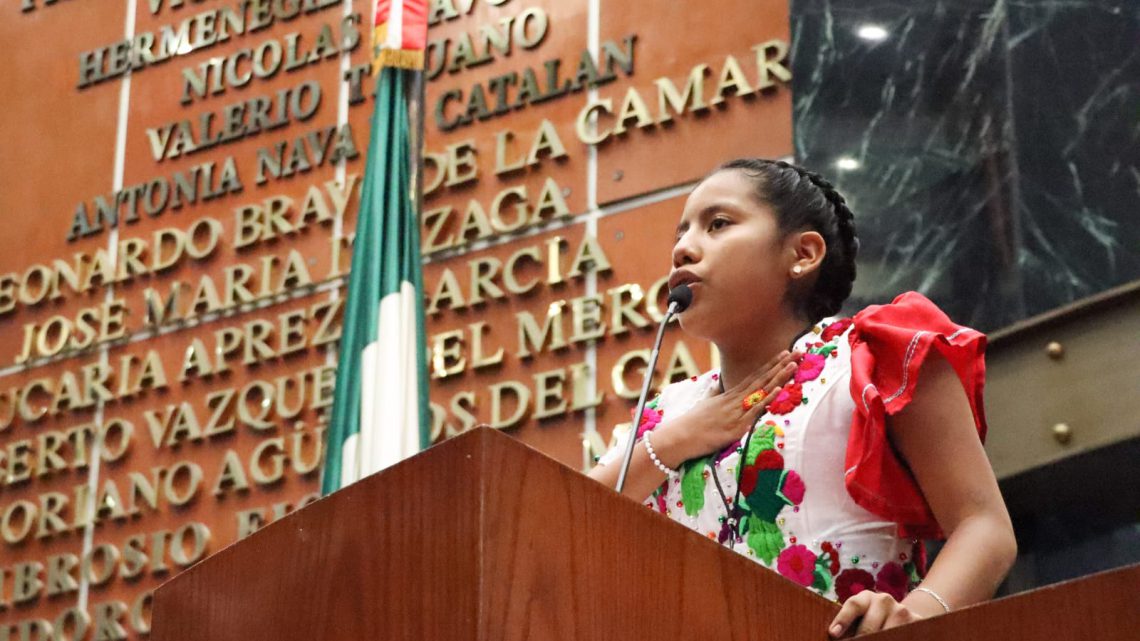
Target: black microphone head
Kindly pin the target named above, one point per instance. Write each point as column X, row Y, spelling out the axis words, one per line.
column 682, row 296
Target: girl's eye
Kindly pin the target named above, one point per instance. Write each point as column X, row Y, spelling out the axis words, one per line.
column 717, row 223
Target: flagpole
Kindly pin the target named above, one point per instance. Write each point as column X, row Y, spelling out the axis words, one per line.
column 414, row 91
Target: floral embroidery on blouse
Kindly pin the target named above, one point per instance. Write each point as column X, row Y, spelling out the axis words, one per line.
column 650, row 417
column 787, row 399
column 836, row 328
column 810, row 367
column 752, row 520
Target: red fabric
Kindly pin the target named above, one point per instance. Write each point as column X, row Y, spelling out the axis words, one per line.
column 889, row 344
column 413, row 18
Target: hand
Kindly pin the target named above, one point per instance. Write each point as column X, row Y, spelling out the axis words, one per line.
column 720, row 419
column 878, row 611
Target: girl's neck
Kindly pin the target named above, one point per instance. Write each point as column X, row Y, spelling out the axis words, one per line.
column 746, row 353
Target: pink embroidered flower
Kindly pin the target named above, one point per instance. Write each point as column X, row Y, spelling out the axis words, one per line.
column 649, row 420
column 798, row 564
column 787, row 399
column 835, row 329
column 892, row 580
column 793, row 489
column 811, row 365
column 851, row 582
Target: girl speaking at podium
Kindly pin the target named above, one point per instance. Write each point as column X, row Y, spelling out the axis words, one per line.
column 826, row 449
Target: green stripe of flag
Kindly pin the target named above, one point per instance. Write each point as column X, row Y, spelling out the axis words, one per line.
column 380, row 411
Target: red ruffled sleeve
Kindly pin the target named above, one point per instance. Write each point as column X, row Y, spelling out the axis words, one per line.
column 889, row 344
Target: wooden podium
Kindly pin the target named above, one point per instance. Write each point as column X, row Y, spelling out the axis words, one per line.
column 484, row 538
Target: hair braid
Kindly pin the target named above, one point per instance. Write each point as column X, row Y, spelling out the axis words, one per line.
column 803, row 198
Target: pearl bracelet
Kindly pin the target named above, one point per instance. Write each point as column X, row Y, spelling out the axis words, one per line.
column 940, row 600
column 653, row 457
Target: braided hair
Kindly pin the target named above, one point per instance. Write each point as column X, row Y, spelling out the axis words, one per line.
column 801, row 200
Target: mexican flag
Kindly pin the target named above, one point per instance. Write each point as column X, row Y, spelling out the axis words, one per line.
column 380, row 409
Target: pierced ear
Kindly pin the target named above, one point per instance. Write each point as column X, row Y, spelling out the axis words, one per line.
column 810, row 249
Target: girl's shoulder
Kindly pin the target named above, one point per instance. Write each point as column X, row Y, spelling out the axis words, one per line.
column 889, row 344
column 907, row 313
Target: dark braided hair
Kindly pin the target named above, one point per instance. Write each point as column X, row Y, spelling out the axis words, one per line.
column 801, row 200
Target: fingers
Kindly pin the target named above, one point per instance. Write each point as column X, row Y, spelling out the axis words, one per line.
column 776, row 361
column 777, row 377
column 771, row 385
column 900, row 616
column 750, row 383
column 874, row 611
column 767, row 382
column 882, row 605
column 852, row 609
column 762, row 377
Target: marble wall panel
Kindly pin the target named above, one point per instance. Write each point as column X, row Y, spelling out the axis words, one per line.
column 988, row 147
column 1076, row 107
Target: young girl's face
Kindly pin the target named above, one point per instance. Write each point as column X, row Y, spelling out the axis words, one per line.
column 730, row 253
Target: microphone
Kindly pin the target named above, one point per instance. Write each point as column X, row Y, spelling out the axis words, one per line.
column 679, row 299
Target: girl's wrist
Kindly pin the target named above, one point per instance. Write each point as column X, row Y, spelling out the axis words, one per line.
column 668, row 445
column 923, row 604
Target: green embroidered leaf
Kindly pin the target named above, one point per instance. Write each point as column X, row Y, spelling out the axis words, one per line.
column 654, row 403
column 826, row 350
column 764, row 501
column 822, row 574
column 780, row 487
column 754, row 449
column 765, row 539
column 693, row 486
column 912, row 572
column 764, row 438
column 767, row 433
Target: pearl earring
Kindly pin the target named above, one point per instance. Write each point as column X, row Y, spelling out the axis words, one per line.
column 797, row 270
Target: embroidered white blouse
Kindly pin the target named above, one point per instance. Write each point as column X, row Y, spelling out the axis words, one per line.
column 793, row 513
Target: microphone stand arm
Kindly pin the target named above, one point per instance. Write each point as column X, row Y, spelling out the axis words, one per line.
column 641, row 400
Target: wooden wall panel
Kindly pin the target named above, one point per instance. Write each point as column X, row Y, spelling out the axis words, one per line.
column 171, row 377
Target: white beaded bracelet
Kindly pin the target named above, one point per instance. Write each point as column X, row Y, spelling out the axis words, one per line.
column 653, row 456
column 940, row 600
